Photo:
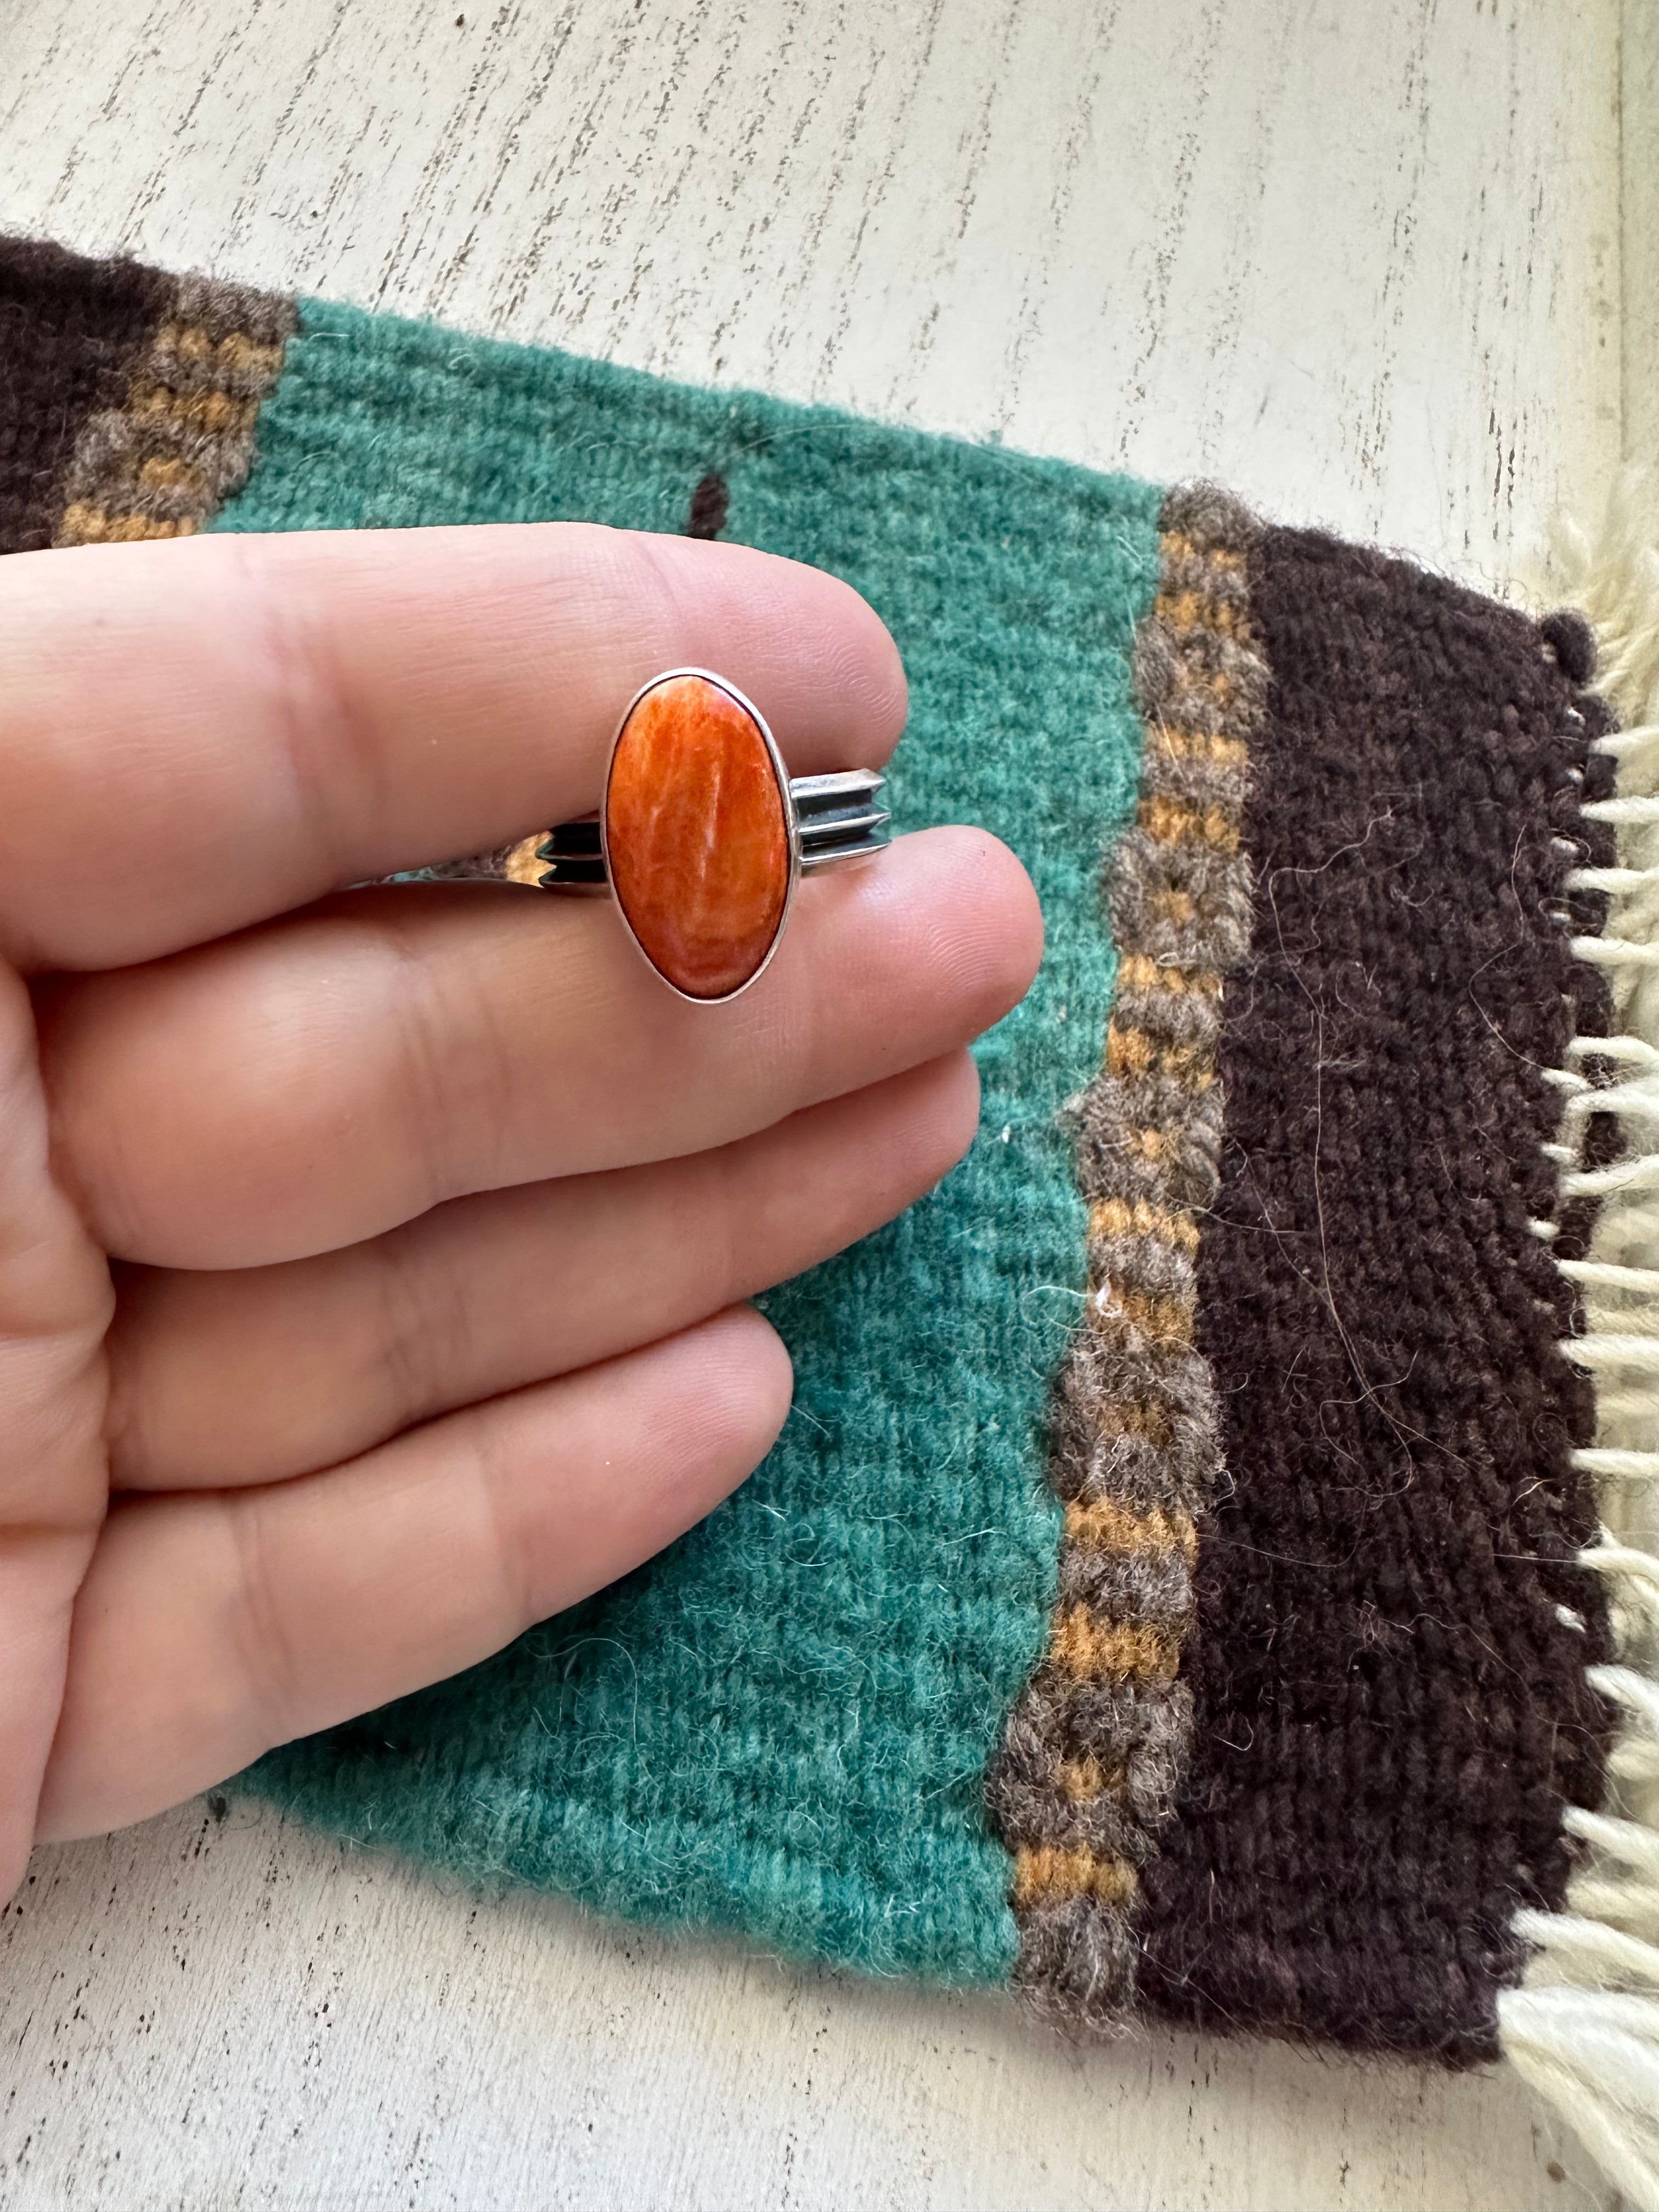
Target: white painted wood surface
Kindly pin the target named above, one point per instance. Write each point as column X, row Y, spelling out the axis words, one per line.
column 1639, row 229
column 1365, row 264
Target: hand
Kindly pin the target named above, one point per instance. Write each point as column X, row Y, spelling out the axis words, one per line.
column 428, row 1206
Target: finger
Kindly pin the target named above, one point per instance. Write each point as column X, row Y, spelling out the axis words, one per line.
column 227, row 1379
column 55, row 1303
column 307, row 1086
column 198, row 733
column 215, row 1625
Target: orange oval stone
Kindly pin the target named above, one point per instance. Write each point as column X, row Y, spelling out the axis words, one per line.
column 696, row 836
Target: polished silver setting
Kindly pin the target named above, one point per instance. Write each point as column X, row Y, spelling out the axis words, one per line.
column 830, row 821
column 834, row 821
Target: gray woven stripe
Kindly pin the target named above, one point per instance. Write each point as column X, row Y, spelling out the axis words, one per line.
column 1087, row 1773
column 164, row 463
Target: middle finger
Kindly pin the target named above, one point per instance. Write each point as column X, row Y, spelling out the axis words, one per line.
column 315, row 1083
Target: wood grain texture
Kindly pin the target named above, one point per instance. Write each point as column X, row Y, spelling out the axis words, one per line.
column 1367, row 276
column 1639, row 229
column 231, row 2013
column 1365, row 265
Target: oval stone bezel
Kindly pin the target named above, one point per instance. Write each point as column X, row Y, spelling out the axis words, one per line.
column 792, row 838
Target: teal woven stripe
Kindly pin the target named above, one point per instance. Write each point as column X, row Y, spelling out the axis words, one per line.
column 782, row 1723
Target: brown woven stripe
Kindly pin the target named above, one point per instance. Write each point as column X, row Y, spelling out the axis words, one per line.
column 1388, row 1666
column 1084, row 1779
column 72, row 333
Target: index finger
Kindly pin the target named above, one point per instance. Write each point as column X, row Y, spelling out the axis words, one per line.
column 199, row 734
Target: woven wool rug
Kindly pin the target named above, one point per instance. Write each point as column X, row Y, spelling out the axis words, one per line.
column 1181, row 1590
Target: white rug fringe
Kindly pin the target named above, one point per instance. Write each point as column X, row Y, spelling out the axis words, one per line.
column 1584, row 2028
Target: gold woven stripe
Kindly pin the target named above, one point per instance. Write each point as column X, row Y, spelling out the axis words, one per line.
column 90, row 526
column 1138, row 1217
column 1175, row 742
column 1155, row 1143
column 1136, row 1452
column 1164, row 1319
column 1131, row 1052
column 1178, row 822
column 170, row 472
column 1180, row 908
column 1048, row 1875
column 235, row 352
column 1092, row 1650
column 1219, row 686
column 1137, row 973
column 1190, row 614
column 1179, row 551
column 218, row 413
column 1105, row 1526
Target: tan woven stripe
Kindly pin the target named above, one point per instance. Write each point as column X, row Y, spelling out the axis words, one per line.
column 1166, row 1320
column 1179, row 907
column 1131, row 1052
column 1106, row 1526
column 1218, row 683
column 235, row 355
column 1177, row 743
column 1092, row 1649
column 1177, row 550
column 218, row 414
column 1191, row 614
column 170, row 472
column 1135, row 972
column 1124, row 1217
column 1097, row 1744
column 1173, row 822
column 1046, row 1876
column 1159, row 1144
column 82, row 525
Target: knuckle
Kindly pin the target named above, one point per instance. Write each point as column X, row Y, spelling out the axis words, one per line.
column 427, row 1334
column 267, row 1656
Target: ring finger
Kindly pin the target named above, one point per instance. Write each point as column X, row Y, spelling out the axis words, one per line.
column 227, row 1379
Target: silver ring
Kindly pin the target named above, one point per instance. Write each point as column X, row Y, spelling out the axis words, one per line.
column 703, row 838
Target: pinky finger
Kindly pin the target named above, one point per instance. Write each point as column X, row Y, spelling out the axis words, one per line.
column 214, row 1625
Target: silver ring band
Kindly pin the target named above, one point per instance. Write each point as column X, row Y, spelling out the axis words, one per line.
column 837, row 821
